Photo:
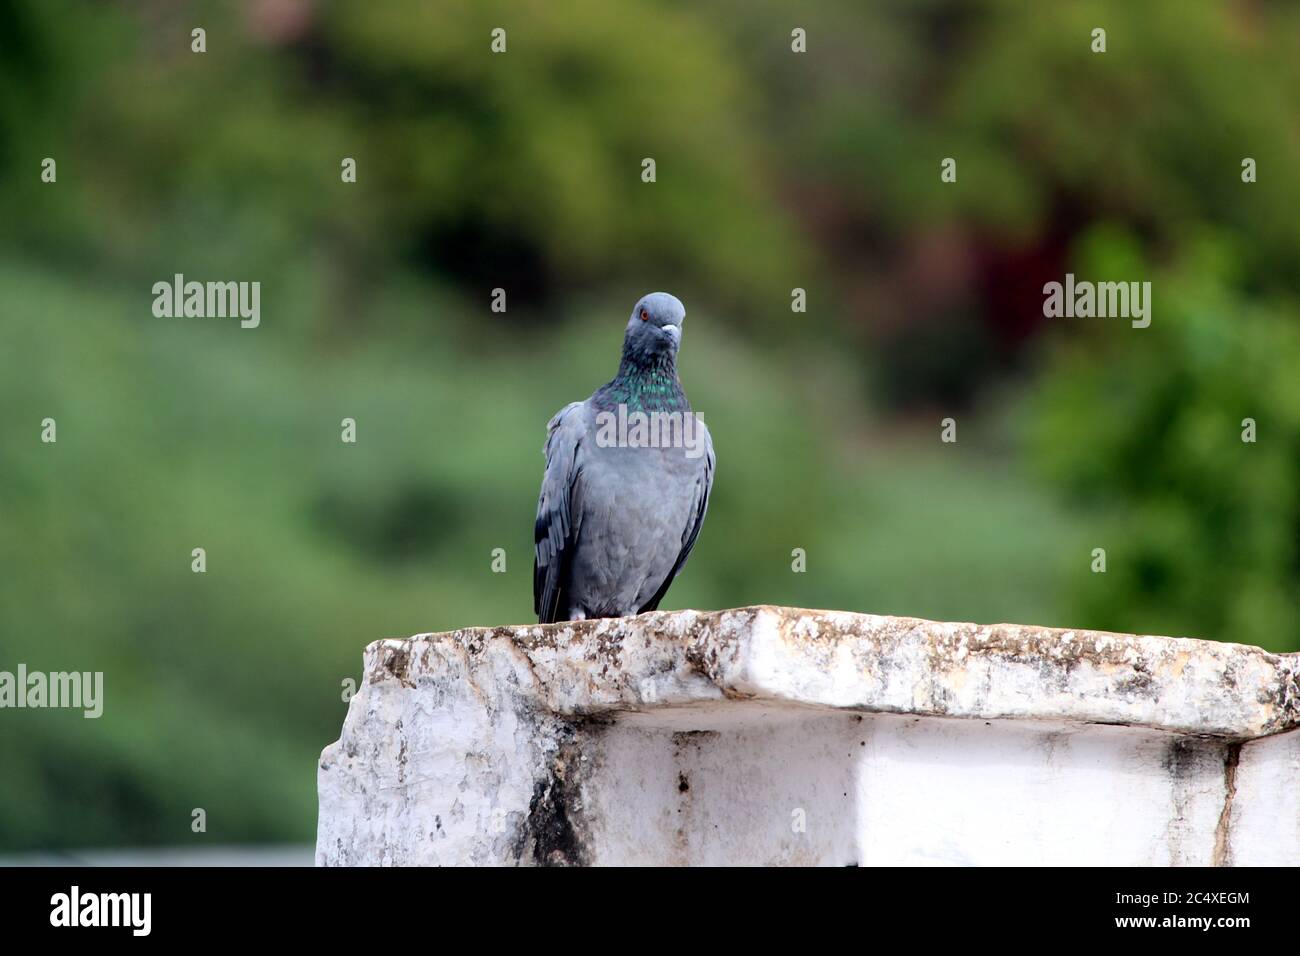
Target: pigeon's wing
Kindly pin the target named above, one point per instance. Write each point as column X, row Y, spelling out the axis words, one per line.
column 554, row 532
column 702, row 488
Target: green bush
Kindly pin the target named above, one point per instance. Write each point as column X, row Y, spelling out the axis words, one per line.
column 1145, row 427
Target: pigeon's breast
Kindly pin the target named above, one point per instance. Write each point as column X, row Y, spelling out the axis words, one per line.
column 634, row 506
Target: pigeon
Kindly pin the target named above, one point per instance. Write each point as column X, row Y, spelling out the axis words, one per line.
column 627, row 482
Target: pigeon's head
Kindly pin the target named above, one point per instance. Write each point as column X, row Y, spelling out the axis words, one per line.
column 656, row 324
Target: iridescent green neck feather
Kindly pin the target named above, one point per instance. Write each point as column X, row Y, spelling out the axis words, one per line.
column 646, row 382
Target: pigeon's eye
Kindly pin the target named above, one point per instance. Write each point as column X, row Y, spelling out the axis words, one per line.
column 645, row 316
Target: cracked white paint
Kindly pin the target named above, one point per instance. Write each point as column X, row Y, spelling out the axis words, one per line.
column 776, row 735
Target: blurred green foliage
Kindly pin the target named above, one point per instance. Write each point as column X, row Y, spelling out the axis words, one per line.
column 522, row 171
column 1149, row 430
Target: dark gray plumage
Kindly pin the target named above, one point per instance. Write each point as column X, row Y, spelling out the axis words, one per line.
column 616, row 523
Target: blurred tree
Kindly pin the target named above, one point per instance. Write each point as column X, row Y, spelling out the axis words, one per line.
column 519, row 169
column 1147, row 427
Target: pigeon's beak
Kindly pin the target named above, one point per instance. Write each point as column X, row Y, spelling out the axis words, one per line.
column 674, row 332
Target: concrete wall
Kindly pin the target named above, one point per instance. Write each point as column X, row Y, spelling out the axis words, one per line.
column 781, row 736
